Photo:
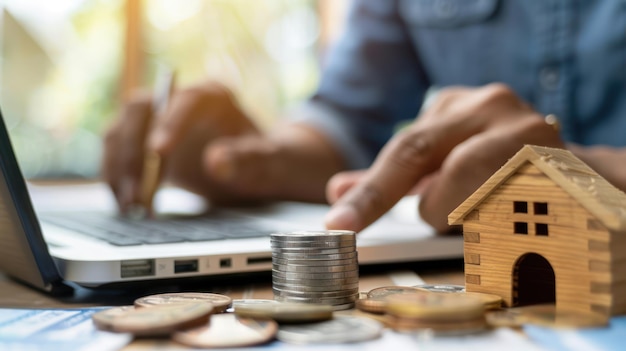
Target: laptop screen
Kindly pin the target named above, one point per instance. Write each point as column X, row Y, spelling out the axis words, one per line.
column 23, row 252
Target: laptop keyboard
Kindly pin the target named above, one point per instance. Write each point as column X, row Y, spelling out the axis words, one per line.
column 121, row 231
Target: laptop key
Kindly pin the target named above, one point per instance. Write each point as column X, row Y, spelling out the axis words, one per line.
column 245, row 233
column 119, row 240
column 200, row 235
column 160, row 239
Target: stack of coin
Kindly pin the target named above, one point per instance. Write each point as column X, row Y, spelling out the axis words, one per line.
column 441, row 312
column 316, row 267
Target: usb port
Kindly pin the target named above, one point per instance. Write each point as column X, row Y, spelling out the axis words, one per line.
column 185, row 266
column 136, row 268
column 225, row 262
column 259, row 260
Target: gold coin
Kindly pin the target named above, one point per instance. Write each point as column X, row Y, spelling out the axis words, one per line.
column 545, row 315
column 228, row 330
column 286, row 312
column 439, row 327
column 159, row 320
column 491, row 301
column 219, row 302
column 435, row 306
column 372, row 305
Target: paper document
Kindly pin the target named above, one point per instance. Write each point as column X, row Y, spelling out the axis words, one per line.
column 55, row 329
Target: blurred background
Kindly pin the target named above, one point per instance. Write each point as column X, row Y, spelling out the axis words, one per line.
column 66, row 66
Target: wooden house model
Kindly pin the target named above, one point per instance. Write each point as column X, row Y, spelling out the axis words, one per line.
column 546, row 228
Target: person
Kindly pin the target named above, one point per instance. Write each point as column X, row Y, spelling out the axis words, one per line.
column 501, row 66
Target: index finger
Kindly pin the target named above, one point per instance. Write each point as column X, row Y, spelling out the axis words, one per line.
column 407, row 158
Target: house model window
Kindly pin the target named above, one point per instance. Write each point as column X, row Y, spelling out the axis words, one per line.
column 539, row 209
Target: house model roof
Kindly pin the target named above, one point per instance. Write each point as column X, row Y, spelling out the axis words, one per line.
column 594, row 193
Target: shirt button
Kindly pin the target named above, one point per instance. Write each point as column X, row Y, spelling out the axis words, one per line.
column 549, row 78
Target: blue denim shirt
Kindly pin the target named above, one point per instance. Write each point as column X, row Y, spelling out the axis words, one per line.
column 566, row 57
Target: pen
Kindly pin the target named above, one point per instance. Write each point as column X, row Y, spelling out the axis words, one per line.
column 152, row 162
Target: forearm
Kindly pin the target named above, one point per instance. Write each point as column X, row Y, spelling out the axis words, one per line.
column 609, row 162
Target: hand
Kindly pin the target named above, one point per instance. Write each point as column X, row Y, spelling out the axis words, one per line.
column 446, row 154
column 195, row 118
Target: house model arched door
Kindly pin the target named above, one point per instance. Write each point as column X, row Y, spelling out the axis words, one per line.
column 533, row 281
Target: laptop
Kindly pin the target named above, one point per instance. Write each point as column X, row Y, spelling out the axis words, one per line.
column 93, row 247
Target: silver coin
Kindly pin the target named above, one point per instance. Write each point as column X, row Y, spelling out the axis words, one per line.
column 220, row 302
column 316, row 282
column 308, row 235
column 283, row 312
column 313, row 251
column 228, row 331
column 307, row 288
column 313, row 242
column 316, row 263
column 316, row 294
column 317, row 300
column 313, row 245
column 297, row 275
column 338, row 330
column 441, row 288
column 158, row 320
column 250, row 302
column 319, row 293
column 313, row 238
column 385, row 291
column 314, row 269
column 310, row 257
column 345, row 306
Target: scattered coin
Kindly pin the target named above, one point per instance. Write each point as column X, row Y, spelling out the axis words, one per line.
column 228, row 330
column 248, row 302
column 159, row 320
column 441, row 312
column 434, row 306
column 385, row 291
column 219, row 302
column 371, row 305
column 491, row 301
column 252, row 302
column 545, row 315
column 439, row 328
column 286, row 312
column 338, row 330
column 441, row 288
